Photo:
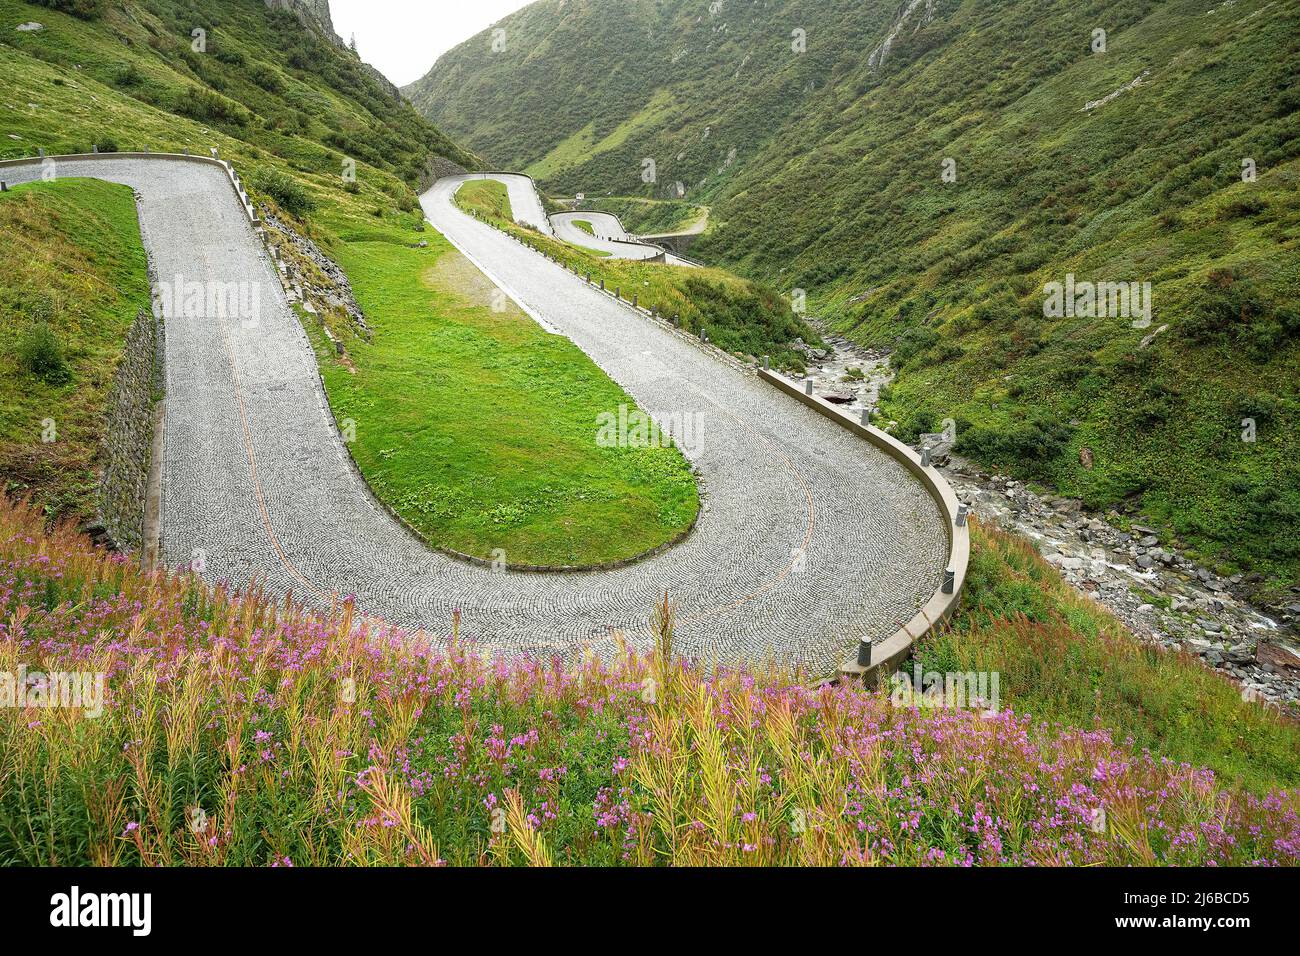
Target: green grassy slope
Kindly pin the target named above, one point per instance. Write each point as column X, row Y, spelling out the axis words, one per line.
column 75, row 276
column 824, row 171
column 1064, row 659
column 260, row 77
column 480, row 428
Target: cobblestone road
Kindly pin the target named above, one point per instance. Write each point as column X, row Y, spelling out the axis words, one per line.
column 810, row 538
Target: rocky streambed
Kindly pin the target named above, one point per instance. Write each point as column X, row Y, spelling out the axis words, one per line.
column 1162, row 596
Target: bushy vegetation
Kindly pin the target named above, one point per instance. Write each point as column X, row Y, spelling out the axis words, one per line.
column 288, row 193
column 836, row 185
column 85, row 9
column 245, row 732
column 41, row 355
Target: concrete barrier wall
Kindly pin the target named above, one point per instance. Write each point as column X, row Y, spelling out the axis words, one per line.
column 889, row 653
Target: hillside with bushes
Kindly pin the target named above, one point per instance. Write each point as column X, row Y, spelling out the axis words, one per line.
column 926, row 170
column 102, row 74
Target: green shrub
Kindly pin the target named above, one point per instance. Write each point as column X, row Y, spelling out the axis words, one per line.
column 206, row 106
column 128, row 75
column 41, row 355
column 1028, row 448
column 85, row 9
column 289, row 194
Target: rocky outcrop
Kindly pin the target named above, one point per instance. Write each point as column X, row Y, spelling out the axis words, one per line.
column 435, row 168
column 128, row 436
column 314, row 14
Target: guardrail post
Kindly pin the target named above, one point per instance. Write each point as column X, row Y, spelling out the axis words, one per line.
column 866, row 417
column 602, row 285
column 807, row 387
column 94, row 148
column 949, row 580
column 213, row 151
column 677, row 320
column 4, row 186
column 963, row 510
column 186, row 151
column 146, row 150
column 864, row 653
column 634, row 300
column 767, row 362
column 925, row 457
column 40, row 151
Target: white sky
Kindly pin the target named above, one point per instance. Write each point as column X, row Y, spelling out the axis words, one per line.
column 403, row 38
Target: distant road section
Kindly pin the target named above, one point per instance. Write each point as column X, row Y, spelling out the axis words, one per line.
column 610, row 236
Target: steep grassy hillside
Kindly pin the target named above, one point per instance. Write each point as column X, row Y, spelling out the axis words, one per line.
column 925, row 190
column 74, row 279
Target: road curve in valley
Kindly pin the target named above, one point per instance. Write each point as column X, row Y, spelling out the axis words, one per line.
column 610, row 236
column 525, row 203
column 809, row 538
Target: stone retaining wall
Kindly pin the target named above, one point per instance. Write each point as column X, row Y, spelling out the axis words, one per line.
column 128, row 437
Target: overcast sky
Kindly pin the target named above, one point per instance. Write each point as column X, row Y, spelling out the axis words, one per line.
column 403, row 37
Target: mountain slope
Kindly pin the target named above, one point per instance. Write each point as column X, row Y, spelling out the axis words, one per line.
column 825, row 171
column 249, row 69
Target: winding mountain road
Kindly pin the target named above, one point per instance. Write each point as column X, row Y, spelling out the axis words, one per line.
column 610, row 236
column 809, row 538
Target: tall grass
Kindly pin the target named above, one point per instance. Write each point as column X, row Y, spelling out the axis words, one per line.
column 243, row 731
column 1064, row 658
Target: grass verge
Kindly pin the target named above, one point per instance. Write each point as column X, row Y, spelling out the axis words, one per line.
column 746, row 319
column 75, row 277
column 1063, row 658
column 479, row 428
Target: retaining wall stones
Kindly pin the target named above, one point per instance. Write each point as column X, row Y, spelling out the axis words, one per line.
column 128, row 436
